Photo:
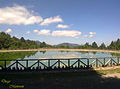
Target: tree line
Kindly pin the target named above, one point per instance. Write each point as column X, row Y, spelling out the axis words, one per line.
column 8, row 42
column 114, row 45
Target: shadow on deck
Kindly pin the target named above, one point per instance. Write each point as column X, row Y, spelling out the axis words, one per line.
column 70, row 79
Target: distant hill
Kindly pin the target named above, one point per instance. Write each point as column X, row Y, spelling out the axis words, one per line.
column 38, row 42
column 67, row 44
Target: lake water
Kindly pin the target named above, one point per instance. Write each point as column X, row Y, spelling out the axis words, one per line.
column 51, row 55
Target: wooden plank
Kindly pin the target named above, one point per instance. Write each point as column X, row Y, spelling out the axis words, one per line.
column 104, row 61
column 63, row 63
column 107, row 61
column 11, row 65
column 96, row 62
column 83, row 63
column 38, row 63
column 118, row 60
column 58, row 63
column 78, row 63
column 88, row 62
column 33, row 64
column 21, row 64
column 68, row 62
column 74, row 63
column 111, row 62
column 16, row 64
column 114, row 61
column 43, row 64
column 54, row 63
column 93, row 62
column 100, row 62
column 26, row 63
column 48, row 62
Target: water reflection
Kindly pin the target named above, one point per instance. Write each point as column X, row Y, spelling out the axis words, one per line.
column 115, row 54
column 16, row 55
column 54, row 54
column 43, row 52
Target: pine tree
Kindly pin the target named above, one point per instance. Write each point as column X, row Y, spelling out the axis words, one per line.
column 102, row 46
column 94, row 45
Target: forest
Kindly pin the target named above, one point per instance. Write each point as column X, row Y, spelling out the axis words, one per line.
column 8, row 42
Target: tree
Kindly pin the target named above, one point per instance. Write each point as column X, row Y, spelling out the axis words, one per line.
column 94, row 45
column 102, row 46
column 8, row 42
column 118, row 44
column 112, row 45
column 22, row 39
column 43, row 44
column 5, row 40
column 87, row 46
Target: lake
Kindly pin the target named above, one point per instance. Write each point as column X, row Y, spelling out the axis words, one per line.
column 51, row 55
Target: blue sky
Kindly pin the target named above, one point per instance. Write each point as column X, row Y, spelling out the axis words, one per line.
column 58, row 21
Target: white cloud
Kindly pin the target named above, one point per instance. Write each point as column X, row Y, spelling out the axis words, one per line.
column 28, row 32
column 0, row 31
column 85, row 36
column 44, row 32
column 77, row 37
column 68, row 33
column 91, row 36
column 18, row 15
column 62, row 26
column 51, row 20
column 8, row 30
column 92, row 33
column 16, row 35
column 35, row 30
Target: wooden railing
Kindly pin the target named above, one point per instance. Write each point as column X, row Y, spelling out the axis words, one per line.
column 57, row 64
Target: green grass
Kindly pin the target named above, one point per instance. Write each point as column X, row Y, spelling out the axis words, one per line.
column 103, row 72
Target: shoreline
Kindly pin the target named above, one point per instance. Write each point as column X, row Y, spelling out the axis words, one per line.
column 60, row 49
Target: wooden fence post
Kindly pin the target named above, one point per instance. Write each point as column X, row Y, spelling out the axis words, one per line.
column 96, row 62
column 58, row 63
column 111, row 61
column 118, row 60
column 26, row 63
column 104, row 62
column 68, row 62
column 78, row 63
column 49, row 63
column 38, row 63
column 17, row 64
column 88, row 62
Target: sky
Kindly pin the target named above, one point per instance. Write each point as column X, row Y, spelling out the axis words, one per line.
column 59, row 21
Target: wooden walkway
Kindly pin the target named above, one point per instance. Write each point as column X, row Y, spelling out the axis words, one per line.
column 57, row 64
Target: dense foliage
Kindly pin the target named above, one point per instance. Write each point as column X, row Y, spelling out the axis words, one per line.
column 115, row 45
column 8, row 42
